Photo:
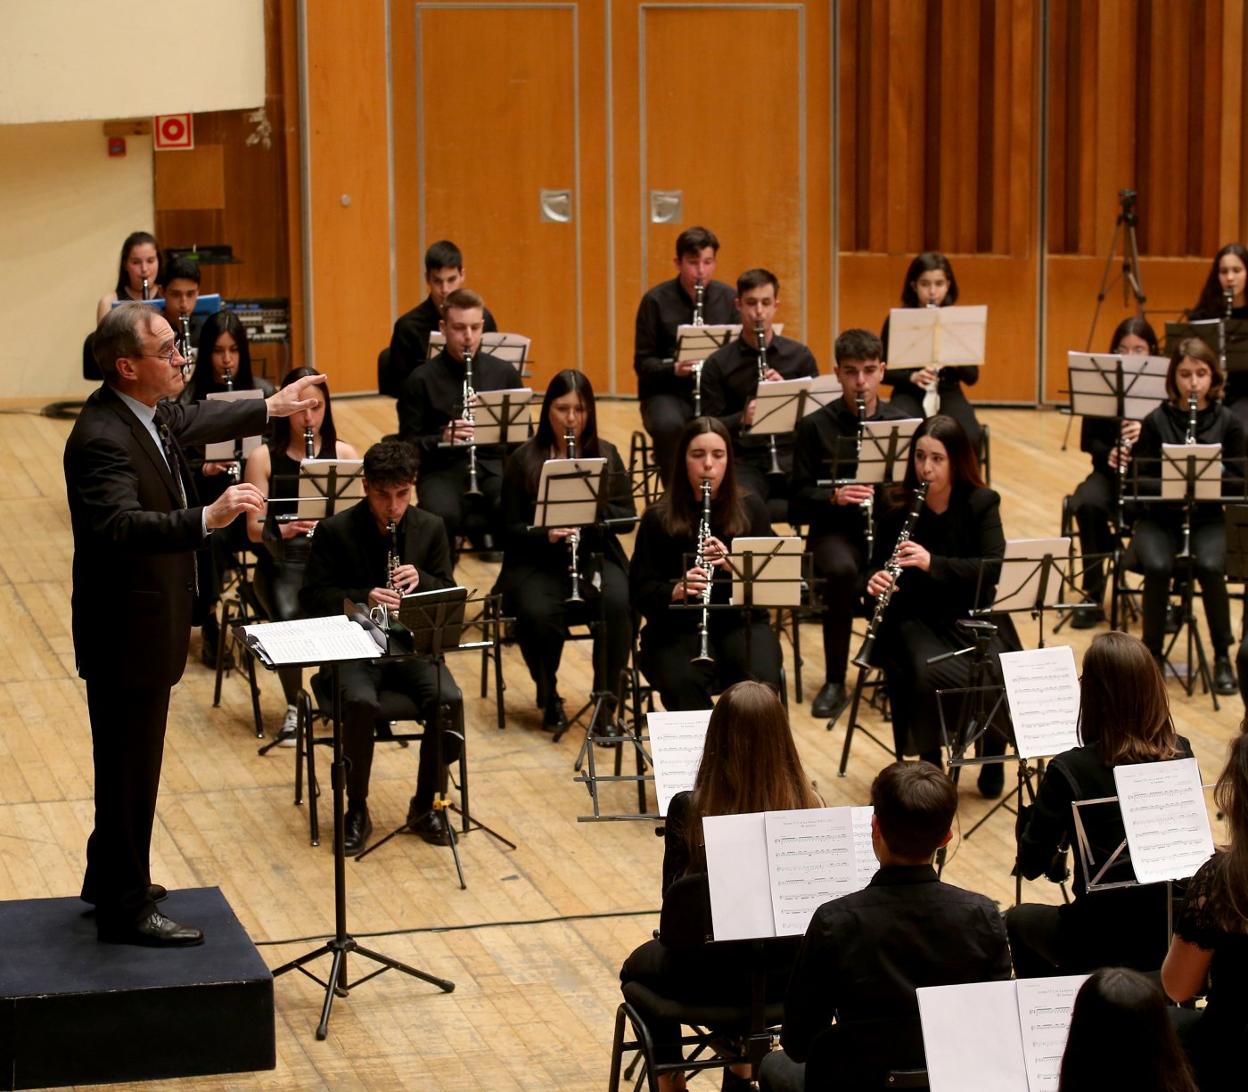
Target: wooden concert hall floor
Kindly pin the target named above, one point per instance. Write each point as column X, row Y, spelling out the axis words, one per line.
column 535, row 943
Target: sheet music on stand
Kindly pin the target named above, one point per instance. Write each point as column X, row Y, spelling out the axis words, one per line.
column 1042, row 688
column 677, row 741
column 228, row 451
column 324, row 486
column 502, row 417
column 569, row 492
column 698, row 342
column 1116, row 385
column 937, row 337
column 1004, row 1036
column 778, row 404
column 1191, row 471
column 311, row 640
column 766, row 571
column 768, row 872
column 1165, row 818
column 1220, row 334
column 884, row 445
column 822, row 391
column 512, row 348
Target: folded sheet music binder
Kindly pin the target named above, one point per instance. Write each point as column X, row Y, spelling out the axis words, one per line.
column 768, row 872
column 997, row 1036
column 312, row 640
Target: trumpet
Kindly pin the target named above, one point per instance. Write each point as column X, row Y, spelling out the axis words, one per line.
column 699, row 292
column 760, row 336
column 699, row 562
column 469, row 394
column 868, row 505
column 574, row 539
column 893, row 568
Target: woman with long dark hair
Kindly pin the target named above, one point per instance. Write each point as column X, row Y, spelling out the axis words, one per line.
column 1210, row 942
column 1224, row 295
column 929, row 282
column 273, row 468
column 536, row 577
column 661, row 577
column 1158, row 537
column 223, row 349
column 749, row 764
column 140, row 261
column 942, row 579
column 1095, row 500
column 1121, row 1037
column 1124, row 718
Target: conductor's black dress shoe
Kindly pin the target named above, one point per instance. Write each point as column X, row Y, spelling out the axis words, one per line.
column 153, row 931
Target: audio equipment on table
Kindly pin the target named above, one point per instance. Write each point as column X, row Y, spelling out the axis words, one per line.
column 146, row 289
column 893, row 568
column 868, row 505
column 760, row 336
column 699, row 292
column 469, row 394
column 699, row 562
column 574, row 539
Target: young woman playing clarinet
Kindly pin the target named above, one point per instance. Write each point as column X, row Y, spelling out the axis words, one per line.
column 1193, row 414
column 273, row 468
column 538, row 582
column 929, row 282
column 1225, row 296
column 941, row 579
column 1095, row 501
column 137, row 273
column 688, row 654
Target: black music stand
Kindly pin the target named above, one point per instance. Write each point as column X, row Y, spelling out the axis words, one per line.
column 1226, row 337
column 427, row 625
column 342, row 942
column 1030, row 578
column 324, row 487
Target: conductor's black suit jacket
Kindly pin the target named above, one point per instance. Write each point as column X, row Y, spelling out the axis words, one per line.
column 134, row 544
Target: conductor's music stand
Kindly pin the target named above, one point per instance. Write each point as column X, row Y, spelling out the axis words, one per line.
column 426, row 626
column 342, row 942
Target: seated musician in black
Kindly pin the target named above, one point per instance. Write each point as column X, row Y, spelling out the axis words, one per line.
column 865, row 954
column 349, row 560
column 826, row 442
column 536, row 578
column 664, row 386
column 432, row 416
column 666, row 584
column 730, row 378
column 179, row 284
column 1095, row 502
column 409, row 344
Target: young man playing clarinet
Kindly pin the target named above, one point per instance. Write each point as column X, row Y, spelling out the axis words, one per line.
column 827, row 440
column 456, row 482
column 730, row 378
column 664, row 386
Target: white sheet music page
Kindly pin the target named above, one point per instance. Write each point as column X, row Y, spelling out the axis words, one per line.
column 1166, row 819
column 971, row 1037
column 1044, row 1006
column 223, row 451
column 865, row 863
column 736, row 868
column 810, row 853
column 1042, row 687
column 676, row 741
column 312, row 640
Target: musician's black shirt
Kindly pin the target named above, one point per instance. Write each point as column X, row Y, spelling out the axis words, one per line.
column 663, row 309
column 409, row 344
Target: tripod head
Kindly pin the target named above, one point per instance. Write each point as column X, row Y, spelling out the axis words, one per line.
column 1126, row 200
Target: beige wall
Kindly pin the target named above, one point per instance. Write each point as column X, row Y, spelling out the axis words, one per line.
column 68, row 60
column 67, row 208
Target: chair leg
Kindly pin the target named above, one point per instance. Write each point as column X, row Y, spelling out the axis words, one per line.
column 303, row 729
column 222, row 629
column 499, row 685
column 314, row 818
column 465, row 817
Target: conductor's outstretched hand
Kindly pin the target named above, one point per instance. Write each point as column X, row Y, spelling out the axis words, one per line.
column 296, row 397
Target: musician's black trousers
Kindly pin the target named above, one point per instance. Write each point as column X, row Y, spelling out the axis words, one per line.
column 666, row 660
column 443, row 492
column 839, row 562
column 1091, row 505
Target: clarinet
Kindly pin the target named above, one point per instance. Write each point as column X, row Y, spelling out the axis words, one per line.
column 233, row 470
column 868, row 505
column 893, row 568
column 185, row 348
column 574, row 539
column 309, row 443
column 1228, row 298
column 699, row 561
column 1189, row 439
column 760, row 335
column 699, row 292
column 473, row 489
column 392, row 555
column 147, row 289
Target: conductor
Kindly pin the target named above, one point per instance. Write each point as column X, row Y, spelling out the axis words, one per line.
column 136, row 528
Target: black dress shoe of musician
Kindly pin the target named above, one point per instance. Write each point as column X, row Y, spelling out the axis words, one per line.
column 429, row 826
column 554, row 718
column 153, row 931
column 357, row 827
column 155, row 893
column 1224, row 676
column 829, row 701
column 991, row 781
column 1088, row 616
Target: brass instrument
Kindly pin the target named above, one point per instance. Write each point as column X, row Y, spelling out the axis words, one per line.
column 699, row 562
column 760, row 336
column 469, row 394
column 868, row 505
column 574, row 539
column 699, row 292
column 893, row 568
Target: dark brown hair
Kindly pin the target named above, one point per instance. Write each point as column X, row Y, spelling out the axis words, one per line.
column 1123, row 708
column 1134, row 326
column 749, row 763
column 925, row 263
column 462, row 299
column 694, row 240
column 568, row 381
column 681, row 508
column 1212, row 303
column 1196, row 349
column 963, row 464
column 1231, row 796
column 138, row 238
column 914, row 805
